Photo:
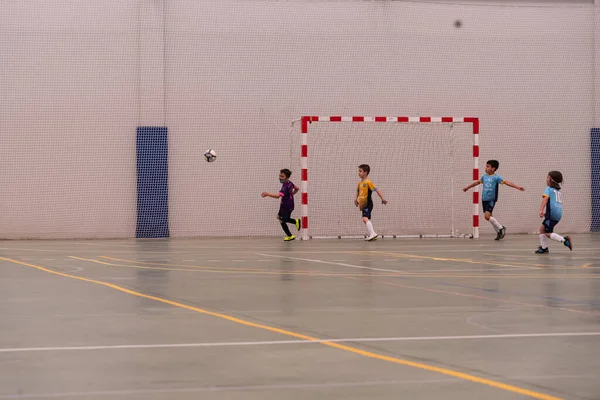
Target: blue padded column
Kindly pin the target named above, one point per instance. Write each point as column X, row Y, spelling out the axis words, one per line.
column 152, row 182
column 595, row 170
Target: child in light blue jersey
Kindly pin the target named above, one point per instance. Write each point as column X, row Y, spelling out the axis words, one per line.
column 489, row 197
column 551, row 210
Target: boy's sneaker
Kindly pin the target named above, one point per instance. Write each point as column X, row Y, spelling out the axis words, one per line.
column 371, row 237
column 540, row 250
column 288, row 238
column 298, row 224
column 568, row 243
column 501, row 233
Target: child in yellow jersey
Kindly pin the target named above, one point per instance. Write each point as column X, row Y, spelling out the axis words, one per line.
column 364, row 200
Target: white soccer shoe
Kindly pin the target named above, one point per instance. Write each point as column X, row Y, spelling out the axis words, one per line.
column 372, row 237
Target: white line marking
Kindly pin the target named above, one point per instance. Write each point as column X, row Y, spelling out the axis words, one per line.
column 130, row 392
column 115, row 278
column 226, row 388
column 400, row 272
column 280, row 342
column 333, row 263
column 419, row 310
column 77, row 269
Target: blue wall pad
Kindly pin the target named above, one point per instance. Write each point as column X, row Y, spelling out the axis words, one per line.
column 595, row 157
column 152, row 182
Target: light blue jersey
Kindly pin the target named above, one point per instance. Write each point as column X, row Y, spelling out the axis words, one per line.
column 490, row 187
column 554, row 205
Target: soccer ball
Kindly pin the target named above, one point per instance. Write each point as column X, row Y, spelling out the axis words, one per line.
column 210, row 155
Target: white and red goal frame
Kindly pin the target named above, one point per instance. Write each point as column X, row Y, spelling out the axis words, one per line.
column 306, row 120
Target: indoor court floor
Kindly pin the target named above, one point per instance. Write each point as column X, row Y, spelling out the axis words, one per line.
column 322, row 319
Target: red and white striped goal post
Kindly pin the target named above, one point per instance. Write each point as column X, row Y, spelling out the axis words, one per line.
column 306, row 120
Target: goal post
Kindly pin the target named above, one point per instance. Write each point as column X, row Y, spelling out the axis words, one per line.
column 420, row 164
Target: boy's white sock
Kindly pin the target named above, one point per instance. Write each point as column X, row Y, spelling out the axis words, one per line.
column 497, row 225
column 544, row 241
column 557, row 237
column 370, row 228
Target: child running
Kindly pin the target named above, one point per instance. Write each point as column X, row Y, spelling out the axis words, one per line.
column 551, row 210
column 489, row 197
column 286, row 205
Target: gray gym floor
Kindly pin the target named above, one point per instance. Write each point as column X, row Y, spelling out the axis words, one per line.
column 322, row 319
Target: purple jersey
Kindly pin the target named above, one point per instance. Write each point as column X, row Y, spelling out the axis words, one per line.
column 287, row 196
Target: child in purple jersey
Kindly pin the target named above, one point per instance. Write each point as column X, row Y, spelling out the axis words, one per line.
column 286, row 205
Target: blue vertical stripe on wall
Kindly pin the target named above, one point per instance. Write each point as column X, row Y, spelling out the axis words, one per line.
column 152, row 182
column 595, row 157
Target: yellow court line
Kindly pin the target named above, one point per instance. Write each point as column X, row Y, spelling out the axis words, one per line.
column 399, row 274
column 369, row 354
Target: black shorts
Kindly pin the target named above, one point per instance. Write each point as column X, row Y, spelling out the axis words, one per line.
column 284, row 215
column 488, row 206
column 549, row 225
column 366, row 211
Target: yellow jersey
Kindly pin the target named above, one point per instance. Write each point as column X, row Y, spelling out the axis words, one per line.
column 365, row 190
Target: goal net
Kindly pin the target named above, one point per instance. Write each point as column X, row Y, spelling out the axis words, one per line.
column 420, row 165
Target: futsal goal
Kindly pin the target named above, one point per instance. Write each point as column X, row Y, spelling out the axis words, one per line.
column 420, row 164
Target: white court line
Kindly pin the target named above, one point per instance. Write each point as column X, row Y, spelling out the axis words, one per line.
column 245, row 388
column 335, row 263
column 280, row 342
column 77, row 269
column 118, row 278
column 400, row 272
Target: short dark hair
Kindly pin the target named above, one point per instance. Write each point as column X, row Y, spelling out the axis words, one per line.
column 286, row 172
column 493, row 163
column 365, row 167
column 556, row 177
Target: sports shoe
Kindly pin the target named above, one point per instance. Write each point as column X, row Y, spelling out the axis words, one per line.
column 540, row 250
column 371, row 237
column 298, row 224
column 288, row 238
column 568, row 243
column 501, row 233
